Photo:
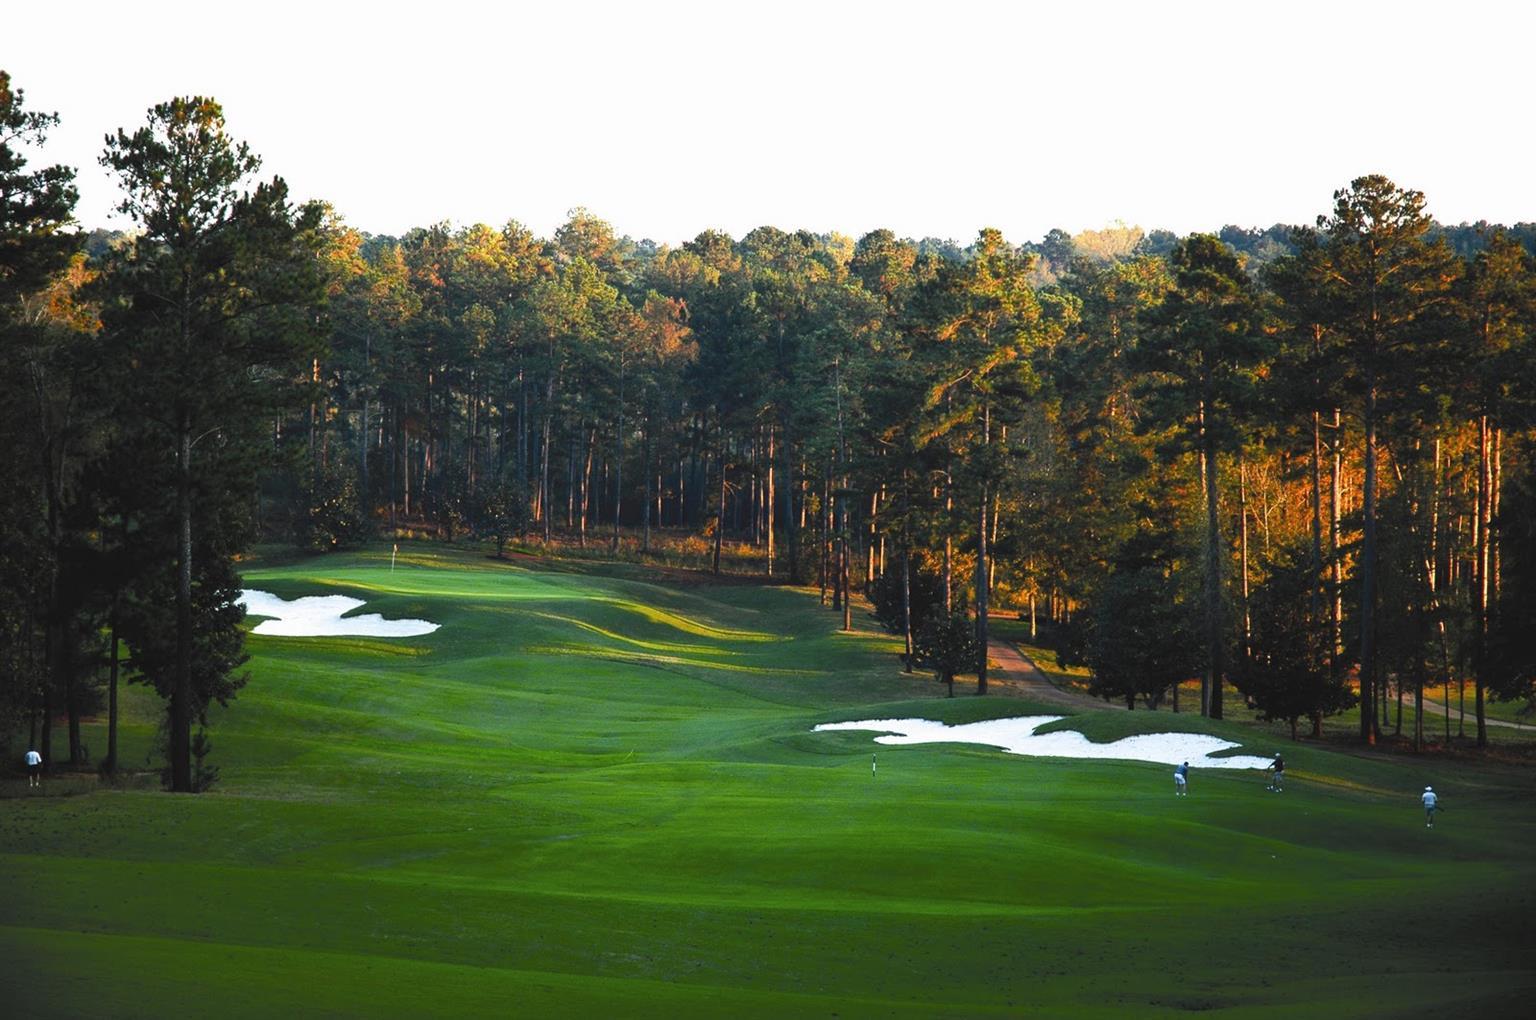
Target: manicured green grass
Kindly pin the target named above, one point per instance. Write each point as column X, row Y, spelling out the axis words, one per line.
column 592, row 795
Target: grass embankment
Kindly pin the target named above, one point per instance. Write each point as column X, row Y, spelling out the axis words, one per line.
column 590, row 796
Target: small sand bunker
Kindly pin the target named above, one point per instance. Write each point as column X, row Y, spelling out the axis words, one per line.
column 324, row 616
column 1017, row 736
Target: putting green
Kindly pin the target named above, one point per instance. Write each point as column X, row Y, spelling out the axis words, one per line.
column 594, row 796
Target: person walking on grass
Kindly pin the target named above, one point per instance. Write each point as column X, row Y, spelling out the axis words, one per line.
column 34, row 769
column 1181, row 780
column 1277, row 774
column 1430, row 803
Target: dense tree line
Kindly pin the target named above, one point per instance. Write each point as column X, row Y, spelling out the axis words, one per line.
column 1291, row 461
column 138, row 387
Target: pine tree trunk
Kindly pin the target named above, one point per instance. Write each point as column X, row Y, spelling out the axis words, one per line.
column 110, row 765
column 1335, row 522
column 544, row 494
column 847, row 559
column 1494, row 565
column 586, row 489
column 364, row 496
column 906, row 606
column 981, row 594
column 768, row 506
column 1480, row 584
column 869, row 535
column 1368, row 725
column 1317, row 515
column 72, row 705
column 720, row 508
column 949, row 552
column 47, row 738
column 618, row 467
column 1242, row 519
column 1215, row 631
column 983, row 575
column 181, row 694
column 645, row 466
column 823, row 536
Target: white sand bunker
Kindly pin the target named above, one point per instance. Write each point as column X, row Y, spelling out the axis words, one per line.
column 1017, row 736
column 322, row 616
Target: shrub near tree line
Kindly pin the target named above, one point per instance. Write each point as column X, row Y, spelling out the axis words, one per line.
column 1141, row 640
column 947, row 644
column 1292, row 671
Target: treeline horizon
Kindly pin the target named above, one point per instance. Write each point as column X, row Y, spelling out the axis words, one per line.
column 1294, row 461
column 1054, row 251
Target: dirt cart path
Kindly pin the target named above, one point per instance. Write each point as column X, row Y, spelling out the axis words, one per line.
column 1017, row 675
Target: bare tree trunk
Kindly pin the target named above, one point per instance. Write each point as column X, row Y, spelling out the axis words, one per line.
column 645, row 466
column 1242, row 517
column 110, row 765
column 1317, row 514
column 949, row 553
column 844, row 571
column 983, row 576
column 47, row 724
column 720, row 509
column 768, row 506
column 618, row 463
column 823, row 529
column 405, row 470
column 1480, row 585
column 586, row 489
column 522, row 430
column 1368, row 725
column 1335, row 514
column 792, row 522
column 394, row 454
column 546, row 512
column 906, row 605
column 570, row 482
column 362, row 462
column 754, row 493
column 1215, row 630
column 869, row 557
column 1495, row 565
column 181, row 694
column 834, row 548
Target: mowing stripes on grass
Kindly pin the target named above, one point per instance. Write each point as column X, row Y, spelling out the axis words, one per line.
column 592, row 795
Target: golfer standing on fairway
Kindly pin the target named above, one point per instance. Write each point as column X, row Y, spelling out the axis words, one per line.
column 1429, row 807
column 1277, row 779
column 1180, row 779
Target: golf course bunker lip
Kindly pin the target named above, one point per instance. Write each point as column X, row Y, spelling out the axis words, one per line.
column 324, row 616
column 1017, row 736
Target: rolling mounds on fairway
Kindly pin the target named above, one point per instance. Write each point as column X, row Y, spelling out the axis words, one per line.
column 1017, row 736
column 589, row 795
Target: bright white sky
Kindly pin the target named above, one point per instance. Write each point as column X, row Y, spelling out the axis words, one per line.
column 933, row 118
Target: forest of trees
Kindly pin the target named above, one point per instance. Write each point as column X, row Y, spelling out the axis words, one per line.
column 1293, row 462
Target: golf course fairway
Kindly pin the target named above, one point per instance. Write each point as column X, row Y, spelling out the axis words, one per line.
column 590, row 794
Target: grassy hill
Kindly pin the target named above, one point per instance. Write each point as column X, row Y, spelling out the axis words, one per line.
column 589, row 794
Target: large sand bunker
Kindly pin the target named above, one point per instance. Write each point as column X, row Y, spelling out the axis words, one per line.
column 1017, row 736
column 324, row 616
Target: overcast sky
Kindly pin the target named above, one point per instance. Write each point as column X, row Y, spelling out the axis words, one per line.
column 932, row 119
